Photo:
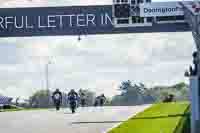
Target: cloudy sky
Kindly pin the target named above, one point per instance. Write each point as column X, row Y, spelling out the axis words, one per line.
column 98, row 62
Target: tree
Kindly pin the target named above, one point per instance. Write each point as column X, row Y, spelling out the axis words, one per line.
column 132, row 94
column 179, row 90
column 41, row 99
column 125, row 85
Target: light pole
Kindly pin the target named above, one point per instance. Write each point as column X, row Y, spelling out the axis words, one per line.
column 47, row 81
column 47, row 74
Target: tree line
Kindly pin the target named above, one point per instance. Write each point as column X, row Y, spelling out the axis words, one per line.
column 130, row 94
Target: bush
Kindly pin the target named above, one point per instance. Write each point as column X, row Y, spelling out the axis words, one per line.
column 7, row 106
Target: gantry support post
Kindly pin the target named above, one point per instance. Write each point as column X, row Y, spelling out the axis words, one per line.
column 193, row 20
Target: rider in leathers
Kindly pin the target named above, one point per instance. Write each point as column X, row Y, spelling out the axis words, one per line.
column 72, row 98
column 102, row 100
column 57, row 98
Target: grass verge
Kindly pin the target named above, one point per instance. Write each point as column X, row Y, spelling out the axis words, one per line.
column 159, row 118
column 22, row 109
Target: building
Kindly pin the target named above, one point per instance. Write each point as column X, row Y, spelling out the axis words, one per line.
column 5, row 100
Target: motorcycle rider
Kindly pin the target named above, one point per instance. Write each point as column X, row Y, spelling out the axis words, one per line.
column 57, row 98
column 97, row 101
column 102, row 100
column 72, row 98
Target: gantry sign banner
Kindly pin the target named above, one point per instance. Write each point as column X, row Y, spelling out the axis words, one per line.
column 161, row 9
column 78, row 20
column 165, row 8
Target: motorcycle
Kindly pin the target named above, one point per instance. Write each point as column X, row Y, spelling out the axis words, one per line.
column 57, row 101
column 73, row 104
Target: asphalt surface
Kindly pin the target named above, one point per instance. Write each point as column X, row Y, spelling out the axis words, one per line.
column 86, row 120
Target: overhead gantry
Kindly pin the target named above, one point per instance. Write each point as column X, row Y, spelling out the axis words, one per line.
column 123, row 16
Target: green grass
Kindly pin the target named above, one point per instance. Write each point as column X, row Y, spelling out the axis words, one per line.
column 160, row 118
column 184, row 124
column 22, row 109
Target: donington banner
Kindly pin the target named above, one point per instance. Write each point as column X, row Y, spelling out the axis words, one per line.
column 70, row 20
column 161, row 9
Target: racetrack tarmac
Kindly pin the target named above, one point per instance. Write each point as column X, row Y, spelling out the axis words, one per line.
column 85, row 120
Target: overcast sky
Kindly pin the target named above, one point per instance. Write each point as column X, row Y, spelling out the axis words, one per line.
column 98, row 62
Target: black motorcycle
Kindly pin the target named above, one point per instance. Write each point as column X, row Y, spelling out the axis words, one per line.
column 57, row 101
column 57, row 104
column 73, row 104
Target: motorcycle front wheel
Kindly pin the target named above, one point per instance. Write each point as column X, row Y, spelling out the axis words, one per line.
column 57, row 108
column 73, row 107
column 57, row 104
column 73, row 111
